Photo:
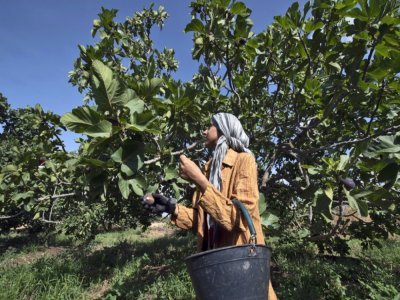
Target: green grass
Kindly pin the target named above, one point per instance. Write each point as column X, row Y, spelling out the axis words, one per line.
column 123, row 265
column 300, row 273
column 131, row 265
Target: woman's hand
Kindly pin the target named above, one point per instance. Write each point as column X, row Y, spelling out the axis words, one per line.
column 159, row 204
column 190, row 171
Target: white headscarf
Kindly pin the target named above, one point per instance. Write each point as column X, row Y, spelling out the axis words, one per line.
column 233, row 136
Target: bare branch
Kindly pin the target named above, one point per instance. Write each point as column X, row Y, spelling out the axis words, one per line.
column 56, row 196
column 179, row 152
column 230, row 79
column 152, row 161
column 43, row 219
column 354, row 141
column 60, row 183
column 155, row 140
column 40, row 199
column 266, row 177
column 305, row 175
column 11, row 217
column 51, row 209
column 61, row 142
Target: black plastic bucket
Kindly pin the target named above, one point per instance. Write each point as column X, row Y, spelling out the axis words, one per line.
column 237, row 272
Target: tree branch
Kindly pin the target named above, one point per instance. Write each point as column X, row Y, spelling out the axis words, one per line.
column 305, row 175
column 229, row 72
column 179, row 152
column 40, row 199
column 61, row 142
column 49, row 221
column 56, row 196
column 11, row 217
column 354, row 141
column 371, row 52
column 266, row 177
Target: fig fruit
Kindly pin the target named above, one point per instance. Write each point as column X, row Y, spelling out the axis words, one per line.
column 348, row 183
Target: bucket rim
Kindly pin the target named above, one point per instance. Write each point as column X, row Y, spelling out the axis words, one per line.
column 226, row 248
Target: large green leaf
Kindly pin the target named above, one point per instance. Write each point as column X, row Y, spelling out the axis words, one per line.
column 87, row 121
column 378, row 73
column 126, row 185
column 108, row 92
column 96, row 162
column 23, row 196
column 376, row 195
column 352, row 201
column 389, row 174
column 143, row 122
column 135, row 106
column 363, row 206
column 9, row 169
column 195, row 25
column 344, row 159
column 130, row 156
column 150, row 87
column 170, row 173
column 393, row 149
column 323, row 205
column 239, row 8
column 270, row 220
column 137, row 186
column 386, row 144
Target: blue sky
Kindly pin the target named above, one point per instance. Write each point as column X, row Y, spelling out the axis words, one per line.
column 39, row 44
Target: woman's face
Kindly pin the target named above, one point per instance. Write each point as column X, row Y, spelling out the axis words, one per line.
column 211, row 136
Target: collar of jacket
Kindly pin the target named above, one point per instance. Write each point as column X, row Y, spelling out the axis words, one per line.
column 229, row 159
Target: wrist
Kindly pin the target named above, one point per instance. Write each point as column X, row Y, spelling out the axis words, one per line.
column 202, row 184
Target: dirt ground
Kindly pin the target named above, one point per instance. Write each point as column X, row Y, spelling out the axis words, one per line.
column 159, row 229
column 33, row 256
column 155, row 230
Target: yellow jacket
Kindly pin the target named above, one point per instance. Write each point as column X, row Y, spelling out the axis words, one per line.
column 239, row 180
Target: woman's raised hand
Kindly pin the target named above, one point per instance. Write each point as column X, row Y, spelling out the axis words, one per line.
column 188, row 170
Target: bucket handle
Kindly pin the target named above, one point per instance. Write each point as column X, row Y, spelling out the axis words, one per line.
column 249, row 221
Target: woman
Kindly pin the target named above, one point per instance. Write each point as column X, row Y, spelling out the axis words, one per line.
column 231, row 173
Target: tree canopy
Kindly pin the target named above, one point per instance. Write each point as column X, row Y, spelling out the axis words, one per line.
column 317, row 91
